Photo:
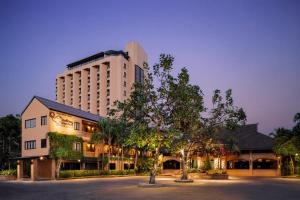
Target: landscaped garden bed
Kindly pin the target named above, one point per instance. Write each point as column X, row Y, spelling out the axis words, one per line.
column 93, row 173
column 215, row 174
column 8, row 175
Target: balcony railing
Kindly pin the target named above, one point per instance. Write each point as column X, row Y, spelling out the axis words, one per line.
column 89, row 154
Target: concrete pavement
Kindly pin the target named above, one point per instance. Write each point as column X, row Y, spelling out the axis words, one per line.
column 126, row 188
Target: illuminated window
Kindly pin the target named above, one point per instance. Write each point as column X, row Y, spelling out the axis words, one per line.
column 77, row 146
column 90, row 147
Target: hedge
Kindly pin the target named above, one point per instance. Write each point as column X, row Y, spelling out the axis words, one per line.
column 11, row 172
column 86, row 173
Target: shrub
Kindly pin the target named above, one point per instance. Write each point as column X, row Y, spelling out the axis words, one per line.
column 66, row 174
column 86, row 173
column 144, row 165
column 207, row 165
column 11, row 172
column 211, row 172
column 193, row 171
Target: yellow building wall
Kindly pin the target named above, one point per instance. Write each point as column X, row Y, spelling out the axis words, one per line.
column 35, row 110
column 56, row 122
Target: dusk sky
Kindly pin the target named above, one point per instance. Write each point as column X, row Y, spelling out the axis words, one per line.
column 252, row 47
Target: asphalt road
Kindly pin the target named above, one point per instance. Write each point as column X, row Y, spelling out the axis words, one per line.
column 124, row 188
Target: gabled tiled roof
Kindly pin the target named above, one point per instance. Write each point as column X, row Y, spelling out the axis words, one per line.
column 249, row 138
column 67, row 109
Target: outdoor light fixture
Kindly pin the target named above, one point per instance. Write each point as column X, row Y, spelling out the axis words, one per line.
column 41, row 158
column 78, row 160
column 182, row 151
column 296, row 154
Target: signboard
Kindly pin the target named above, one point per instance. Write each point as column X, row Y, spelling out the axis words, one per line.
column 61, row 120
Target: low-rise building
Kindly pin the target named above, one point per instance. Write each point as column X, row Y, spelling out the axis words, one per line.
column 252, row 156
column 42, row 116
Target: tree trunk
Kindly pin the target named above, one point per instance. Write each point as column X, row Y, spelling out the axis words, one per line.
column 57, row 170
column 108, row 155
column 184, row 175
column 119, row 166
column 219, row 162
column 292, row 168
column 154, row 169
column 136, row 159
column 102, row 163
column 122, row 167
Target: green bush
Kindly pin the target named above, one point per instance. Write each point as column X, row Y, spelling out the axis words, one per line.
column 66, row 174
column 211, row 172
column 207, row 164
column 11, row 172
column 144, row 165
column 86, row 173
column 193, row 171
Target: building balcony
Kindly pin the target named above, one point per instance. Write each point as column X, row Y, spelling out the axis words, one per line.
column 86, row 136
column 89, row 154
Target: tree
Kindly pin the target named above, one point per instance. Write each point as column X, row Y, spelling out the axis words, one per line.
column 137, row 139
column 287, row 144
column 10, row 140
column 187, row 100
column 106, row 132
column 120, row 133
column 223, row 115
column 62, row 148
column 151, row 105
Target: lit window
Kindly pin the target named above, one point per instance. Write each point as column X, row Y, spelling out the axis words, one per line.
column 77, row 146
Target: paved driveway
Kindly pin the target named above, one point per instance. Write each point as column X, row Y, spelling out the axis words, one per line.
column 126, row 188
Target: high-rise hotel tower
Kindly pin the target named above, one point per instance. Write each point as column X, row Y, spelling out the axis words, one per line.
column 94, row 83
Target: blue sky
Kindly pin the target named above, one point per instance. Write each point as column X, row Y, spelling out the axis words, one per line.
column 252, row 47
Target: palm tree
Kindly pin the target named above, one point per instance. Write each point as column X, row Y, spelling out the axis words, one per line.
column 120, row 136
column 105, row 133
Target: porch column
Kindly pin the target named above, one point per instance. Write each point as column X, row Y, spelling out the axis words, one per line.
column 19, row 169
column 33, row 169
column 278, row 166
column 53, row 167
column 82, row 166
column 250, row 162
